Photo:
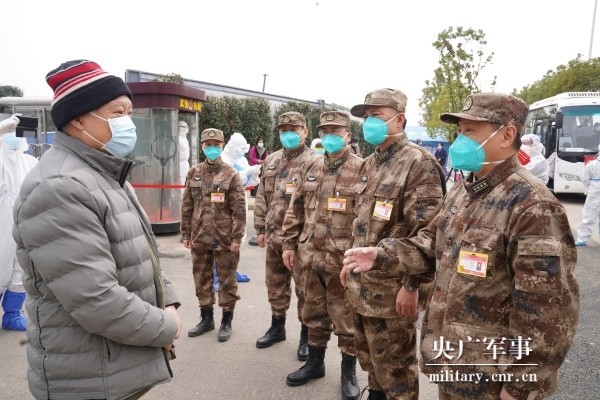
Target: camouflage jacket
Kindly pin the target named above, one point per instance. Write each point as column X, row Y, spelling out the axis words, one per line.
column 319, row 219
column 276, row 188
column 213, row 211
column 401, row 192
column 528, row 289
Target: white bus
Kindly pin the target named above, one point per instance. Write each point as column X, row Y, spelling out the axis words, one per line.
column 568, row 126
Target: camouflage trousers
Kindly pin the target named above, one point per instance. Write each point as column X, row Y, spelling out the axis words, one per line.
column 386, row 349
column 279, row 283
column 325, row 305
column 227, row 263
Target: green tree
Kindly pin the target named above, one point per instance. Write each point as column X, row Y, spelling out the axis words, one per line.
column 9, row 91
column 577, row 76
column 170, row 78
column 461, row 61
column 249, row 116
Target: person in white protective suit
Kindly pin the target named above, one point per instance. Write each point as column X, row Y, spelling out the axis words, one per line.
column 537, row 165
column 234, row 155
column 317, row 147
column 184, row 151
column 14, row 166
column 591, row 209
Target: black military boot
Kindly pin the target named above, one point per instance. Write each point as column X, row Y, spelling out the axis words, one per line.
column 350, row 389
column 225, row 329
column 303, row 344
column 376, row 395
column 206, row 324
column 313, row 368
column 276, row 332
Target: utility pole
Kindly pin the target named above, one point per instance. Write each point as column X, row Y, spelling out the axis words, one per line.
column 593, row 24
column 265, row 77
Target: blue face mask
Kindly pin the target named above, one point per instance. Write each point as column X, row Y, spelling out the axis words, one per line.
column 11, row 141
column 289, row 139
column 333, row 143
column 123, row 136
column 212, row 152
column 375, row 130
column 468, row 154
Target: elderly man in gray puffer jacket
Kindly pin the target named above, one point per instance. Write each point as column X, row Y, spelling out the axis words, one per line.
column 102, row 315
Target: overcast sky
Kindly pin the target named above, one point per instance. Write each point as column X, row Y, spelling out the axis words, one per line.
column 336, row 50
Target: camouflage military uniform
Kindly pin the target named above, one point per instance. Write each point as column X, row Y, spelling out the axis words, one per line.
column 272, row 199
column 528, row 289
column 317, row 226
column 404, row 186
column 214, row 216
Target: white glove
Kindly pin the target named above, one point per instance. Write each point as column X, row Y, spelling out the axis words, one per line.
column 9, row 124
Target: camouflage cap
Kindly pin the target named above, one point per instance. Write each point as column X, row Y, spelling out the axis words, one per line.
column 337, row 118
column 381, row 97
column 212, row 133
column 497, row 108
column 291, row 118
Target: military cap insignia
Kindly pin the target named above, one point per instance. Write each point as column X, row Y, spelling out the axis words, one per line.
column 311, row 178
column 329, row 117
column 285, row 119
column 211, row 133
column 367, row 99
column 468, row 103
column 197, row 177
column 364, row 178
column 271, row 166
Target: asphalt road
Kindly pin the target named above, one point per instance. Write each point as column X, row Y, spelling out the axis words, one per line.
column 207, row 369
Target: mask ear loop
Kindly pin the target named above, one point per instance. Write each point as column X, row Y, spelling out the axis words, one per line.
column 487, row 140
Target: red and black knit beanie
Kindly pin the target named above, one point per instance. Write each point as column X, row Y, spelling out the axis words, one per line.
column 81, row 86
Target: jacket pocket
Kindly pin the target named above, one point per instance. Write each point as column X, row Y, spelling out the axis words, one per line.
column 196, row 189
column 538, row 265
column 479, row 242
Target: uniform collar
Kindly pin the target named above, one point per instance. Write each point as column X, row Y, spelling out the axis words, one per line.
column 336, row 163
column 479, row 187
column 400, row 142
column 294, row 153
column 214, row 166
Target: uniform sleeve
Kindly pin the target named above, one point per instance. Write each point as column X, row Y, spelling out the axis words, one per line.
column 73, row 257
column 422, row 201
column 260, row 204
column 237, row 203
column 187, row 209
column 293, row 221
column 545, row 297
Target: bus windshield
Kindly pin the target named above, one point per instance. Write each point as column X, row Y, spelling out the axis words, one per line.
column 580, row 131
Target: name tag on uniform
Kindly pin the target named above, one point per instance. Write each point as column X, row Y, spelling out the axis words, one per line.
column 474, row 264
column 383, row 210
column 336, row 204
column 217, row 197
column 289, row 188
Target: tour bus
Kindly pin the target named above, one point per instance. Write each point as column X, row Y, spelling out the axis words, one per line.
column 568, row 126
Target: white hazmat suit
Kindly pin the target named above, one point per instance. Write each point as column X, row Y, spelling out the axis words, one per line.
column 184, row 151
column 14, row 166
column 590, row 214
column 538, row 165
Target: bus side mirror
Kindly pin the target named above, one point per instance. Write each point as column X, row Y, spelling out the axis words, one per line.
column 558, row 120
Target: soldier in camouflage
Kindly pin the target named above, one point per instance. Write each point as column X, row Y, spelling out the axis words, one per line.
column 402, row 189
column 213, row 219
column 276, row 187
column 505, row 305
column 316, row 233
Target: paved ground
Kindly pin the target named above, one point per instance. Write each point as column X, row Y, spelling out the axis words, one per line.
column 207, row 369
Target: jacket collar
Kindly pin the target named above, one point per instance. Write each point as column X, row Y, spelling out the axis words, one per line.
column 215, row 165
column 400, row 142
column 336, row 163
column 115, row 167
column 295, row 153
column 476, row 188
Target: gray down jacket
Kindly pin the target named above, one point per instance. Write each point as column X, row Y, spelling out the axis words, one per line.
column 87, row 251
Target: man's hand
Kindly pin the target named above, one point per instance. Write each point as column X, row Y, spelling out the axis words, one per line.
column 406, row 302
column 289, row 258
column 260, row 239
column 187, row 244
column 234, row 247
column 505, row 396
column 173, row 311
column 360, row 259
